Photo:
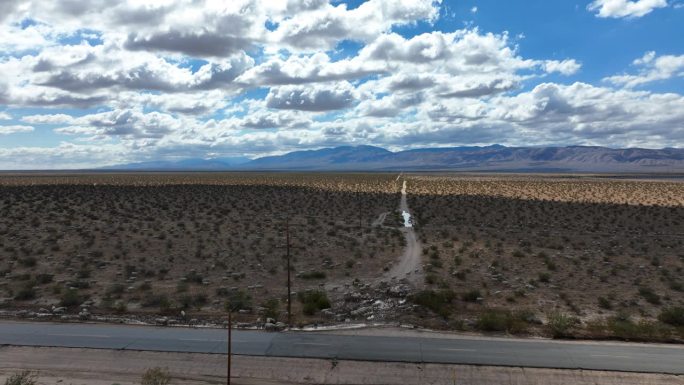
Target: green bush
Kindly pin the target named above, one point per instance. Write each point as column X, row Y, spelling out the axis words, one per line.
column 560, row 324
column 604, row 303
column 314, row 301
column 672, row 316
column 271, row 305
column 156, row 376
column 44, row 278
column 116, row 290
column 471, row 296
column 625, row 328
column 187, row 301
column 70, row 298
column 496, row 320
column 649, row 295
column 28, row 262
column 238, row 300
column 23, row 378
column 26, row 293
column 437, row 301
column 313, row 275
column 544, row 277
column 518, row 254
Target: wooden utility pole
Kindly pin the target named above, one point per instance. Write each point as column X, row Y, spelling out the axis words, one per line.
column 230, row 344
column 289, row 282
column 359, row 208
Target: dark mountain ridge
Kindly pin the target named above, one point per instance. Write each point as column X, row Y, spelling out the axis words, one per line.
column 487, row 158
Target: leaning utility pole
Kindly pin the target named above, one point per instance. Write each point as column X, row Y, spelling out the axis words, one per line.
column 230, row 350
column 289, row 282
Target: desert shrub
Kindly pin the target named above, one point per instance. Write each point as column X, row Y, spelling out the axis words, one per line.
column 28, row 262
column 544, row 277
column 624, row 328
column 497, row 320
column 145, row 286
column 70, row 298
column 26, row 293
column 23, row 378
column 314, row 301
column 672, row 316
column 160, row 300
column 676, row 285
column 271, row 305
column 560, row 324
column 120, row 307
column 430, row 279
column 44, row 278
column 187, row 301
column 182, row 287
column 471, row 296
column 80, row 284
column 649, row 295
column 461, row 275
column 84, row 273
column 237, row 300
column 437, row 301
column 116, row 290
column 23, row 277
column 156, row 376
column 194, row 277
column 604, row 303
column 313, row 275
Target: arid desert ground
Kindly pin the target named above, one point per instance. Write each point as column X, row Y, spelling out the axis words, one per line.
column 554, row 255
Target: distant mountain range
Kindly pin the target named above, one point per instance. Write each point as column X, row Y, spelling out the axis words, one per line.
column 489, row 158
column 194, row 164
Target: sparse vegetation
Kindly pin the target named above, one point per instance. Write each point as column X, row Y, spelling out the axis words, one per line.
column 560, row 324
column 437, row 301
column 313, row 301
column 156, row 376
column 672, row 316
column 501, row 320
column 23, row 378
column 499, row 252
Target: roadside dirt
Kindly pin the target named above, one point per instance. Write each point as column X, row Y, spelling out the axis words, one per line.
column 107, row 367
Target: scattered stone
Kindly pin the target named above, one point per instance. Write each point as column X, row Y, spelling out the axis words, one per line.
column 84, row 315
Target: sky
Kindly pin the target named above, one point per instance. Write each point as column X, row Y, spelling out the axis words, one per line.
column 90, row 83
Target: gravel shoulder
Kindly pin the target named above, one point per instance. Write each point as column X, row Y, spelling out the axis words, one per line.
column 107, row 367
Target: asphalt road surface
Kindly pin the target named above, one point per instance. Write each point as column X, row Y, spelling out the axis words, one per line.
column 475, row 351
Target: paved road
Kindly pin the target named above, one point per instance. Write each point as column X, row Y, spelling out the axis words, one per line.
column 477, row 351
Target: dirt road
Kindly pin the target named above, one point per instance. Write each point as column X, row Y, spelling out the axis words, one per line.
column 409, row 265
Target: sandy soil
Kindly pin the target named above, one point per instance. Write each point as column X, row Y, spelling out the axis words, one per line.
column 107, row 367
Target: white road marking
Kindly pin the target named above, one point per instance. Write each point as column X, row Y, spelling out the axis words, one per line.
column 458, row 350
column 208, row 340
column 79, row 335
column 609, row 355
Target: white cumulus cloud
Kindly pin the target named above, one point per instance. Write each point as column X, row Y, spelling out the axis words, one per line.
column 651, row 68
column 625, row 8
column 7, row 130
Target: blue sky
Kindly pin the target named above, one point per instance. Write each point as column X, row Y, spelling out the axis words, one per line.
column 86, row 85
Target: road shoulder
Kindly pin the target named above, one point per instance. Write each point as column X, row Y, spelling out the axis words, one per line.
column 106, row 367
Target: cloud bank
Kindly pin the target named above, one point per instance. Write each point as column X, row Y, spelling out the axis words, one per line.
column 122, row 81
